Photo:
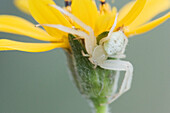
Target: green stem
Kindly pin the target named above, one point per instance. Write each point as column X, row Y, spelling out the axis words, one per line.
column 97, row 107
column 101, row 109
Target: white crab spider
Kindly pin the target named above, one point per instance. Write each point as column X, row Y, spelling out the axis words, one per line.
column 112, row 46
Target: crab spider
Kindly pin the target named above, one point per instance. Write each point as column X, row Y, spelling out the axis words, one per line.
column 112, row 46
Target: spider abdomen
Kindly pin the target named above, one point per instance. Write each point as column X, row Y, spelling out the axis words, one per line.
column 115, row 44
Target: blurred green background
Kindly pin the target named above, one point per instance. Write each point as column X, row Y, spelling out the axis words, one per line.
column 40, row 82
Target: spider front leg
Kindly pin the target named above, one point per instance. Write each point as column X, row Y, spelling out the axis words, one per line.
column 110, row 32
column 81, row 34
column 92, row 38
column 119, row 65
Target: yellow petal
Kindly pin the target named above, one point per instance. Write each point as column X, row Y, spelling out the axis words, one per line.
column 17, row 25
column 133, row 13
column 46, row 14
column 28, row 47
column 22, row 5
column 105, row 21
column 147, row 27
column 114, row 12
column 125, row 9
column 86, row 11
column 152, row 8
column 5, row 49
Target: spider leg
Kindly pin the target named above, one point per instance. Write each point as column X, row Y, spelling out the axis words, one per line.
column 84, row 54
column 119, row 65
column 118, row 56
column 116, row 80
column 114, row 25
column 89, row 29
column 115, row 86
column 73, row 31
column 66, row 29
column 77, row 38
column 111, row 30
column 86, row 27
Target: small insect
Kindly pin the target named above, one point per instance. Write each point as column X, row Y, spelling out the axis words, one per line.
column 112, row 46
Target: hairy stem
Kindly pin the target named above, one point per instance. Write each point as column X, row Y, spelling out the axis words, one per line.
column 99, row 105
column 101, row 109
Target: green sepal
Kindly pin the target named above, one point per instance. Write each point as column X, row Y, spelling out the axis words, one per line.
column 94, row 83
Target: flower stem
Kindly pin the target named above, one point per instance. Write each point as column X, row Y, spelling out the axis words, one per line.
column 97, row 107
column 101, row 109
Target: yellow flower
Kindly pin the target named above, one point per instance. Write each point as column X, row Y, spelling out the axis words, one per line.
column 134, row 18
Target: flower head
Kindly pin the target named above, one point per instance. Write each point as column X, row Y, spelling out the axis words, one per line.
column 133, row 19
column 102, row 35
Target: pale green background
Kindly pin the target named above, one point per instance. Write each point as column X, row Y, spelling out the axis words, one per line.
column 40, row 83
